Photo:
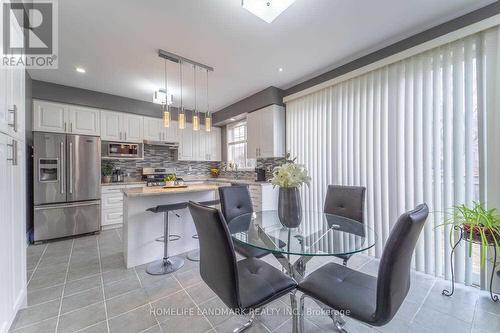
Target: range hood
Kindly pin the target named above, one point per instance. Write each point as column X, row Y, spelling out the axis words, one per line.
column 171, row 145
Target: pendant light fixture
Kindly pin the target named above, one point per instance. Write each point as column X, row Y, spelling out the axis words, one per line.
column 182, row 114
column 208, row 115
column 166, row 108
column 196, row 116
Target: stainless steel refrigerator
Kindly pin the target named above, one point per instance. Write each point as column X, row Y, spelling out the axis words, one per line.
column 67, row 175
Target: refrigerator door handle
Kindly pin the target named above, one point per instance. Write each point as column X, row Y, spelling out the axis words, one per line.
column 62, row 168
column 70, row 158
column 68, row 205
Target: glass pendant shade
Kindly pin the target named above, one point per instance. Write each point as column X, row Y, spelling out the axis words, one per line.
column 196, row 122
column 182, row 120
column 208, row 122
column 166, row 117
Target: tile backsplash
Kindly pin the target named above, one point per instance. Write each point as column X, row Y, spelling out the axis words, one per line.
column 161, row 156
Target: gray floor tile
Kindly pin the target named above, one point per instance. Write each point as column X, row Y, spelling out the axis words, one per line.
column 308, row 328
column 200, row 293
column 80, row 271
column 81, row 300
column 433, row 320
column 173, row 305
column 82, row 318
column 46, row 326
column 44, row 280
column 229, row 325
column 162, row 288
column 486, row 322
column 188, row 278
column 33, row 314
column 126, row 302
column 154, row 329
column 48, row 260
column 87, row 283
column 101, row 327
column 485, row 303
column 133, row 322
column 117, row 275
column 215, row 310
column 121, row 287
column 195, row 324
column 43, row 295
column 275, row 314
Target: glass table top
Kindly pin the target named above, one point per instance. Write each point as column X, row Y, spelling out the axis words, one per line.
column 319, row 234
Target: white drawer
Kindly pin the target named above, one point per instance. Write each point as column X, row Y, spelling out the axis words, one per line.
column 112, row 216
column 112, row 189
column 112, row 200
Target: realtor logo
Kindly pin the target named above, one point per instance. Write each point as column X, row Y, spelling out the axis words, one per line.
column 29, row 36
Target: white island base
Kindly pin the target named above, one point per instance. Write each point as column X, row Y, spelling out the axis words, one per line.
column 141, row 228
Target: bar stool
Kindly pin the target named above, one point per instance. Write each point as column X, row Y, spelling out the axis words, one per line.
column 167, row 264
column 195, row 255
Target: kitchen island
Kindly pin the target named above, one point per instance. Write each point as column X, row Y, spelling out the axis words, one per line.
column 141, row 228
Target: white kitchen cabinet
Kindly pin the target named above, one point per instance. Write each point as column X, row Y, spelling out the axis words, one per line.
column 84, row 121
column 63, row 118
column 266, row 132
column 153, row 129
column 171, row 134
column 200, row 144
column 214, row 144
column 112, row 205
column 50, row 117
column 122, row 127
column 186, row 151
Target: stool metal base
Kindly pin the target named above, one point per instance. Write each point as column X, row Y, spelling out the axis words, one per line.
column 164, row 266
column 194, row 255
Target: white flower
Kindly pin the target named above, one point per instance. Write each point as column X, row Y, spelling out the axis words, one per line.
column 290, row 175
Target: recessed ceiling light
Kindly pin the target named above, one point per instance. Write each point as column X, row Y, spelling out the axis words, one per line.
column 80, row 70
column 266, row 10
column 280, row 69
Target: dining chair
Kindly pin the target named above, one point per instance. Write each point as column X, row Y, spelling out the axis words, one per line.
column 244, row 285
column 235, row 201
column 346, row 201
column 373, row 300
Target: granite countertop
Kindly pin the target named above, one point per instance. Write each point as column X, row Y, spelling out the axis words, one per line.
column 128, row 182
column 152, row 191
column 238, row 181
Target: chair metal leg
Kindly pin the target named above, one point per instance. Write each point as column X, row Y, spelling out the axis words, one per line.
column 295, row 315
column 245, row 325
column 339, row 322
column 194, row 255
column 301, row 312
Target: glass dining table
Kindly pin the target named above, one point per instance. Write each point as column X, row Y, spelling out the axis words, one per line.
column 319, row 234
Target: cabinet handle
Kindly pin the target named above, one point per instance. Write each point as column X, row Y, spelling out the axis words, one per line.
column 14, row 117
column 13, row 145
column 125, row 136
column 120, row 135
column 64, row 126
column 71, row 127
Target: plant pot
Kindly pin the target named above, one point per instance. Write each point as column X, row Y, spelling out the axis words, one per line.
column 106, row 179
column 170, row 183
column 476, row 233
column 289, row 207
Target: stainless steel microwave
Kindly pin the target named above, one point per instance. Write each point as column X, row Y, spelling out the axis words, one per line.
column 122, row 150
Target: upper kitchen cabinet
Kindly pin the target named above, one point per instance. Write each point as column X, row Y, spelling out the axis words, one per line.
column 62, row 118
column 155, row 131
column 186, row 151
column 214, row 144
column 266, row 132
column 117, row 126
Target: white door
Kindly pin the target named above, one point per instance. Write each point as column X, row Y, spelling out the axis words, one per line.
column 186, row 143
column 153, row 129
column 17, row 104
column 133, row 128
column 4, row 115
column 5, row 239
column 50, row 117
column 253, row 134
column 171, row 133
column 111, row 126
column 85, row 121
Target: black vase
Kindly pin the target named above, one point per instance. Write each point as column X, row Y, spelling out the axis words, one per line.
column 289, row 207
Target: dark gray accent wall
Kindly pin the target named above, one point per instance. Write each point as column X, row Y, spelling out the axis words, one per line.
column 65, row 94
column 425, row 36
column 266, row 97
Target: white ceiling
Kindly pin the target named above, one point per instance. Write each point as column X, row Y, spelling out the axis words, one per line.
column 116, row 41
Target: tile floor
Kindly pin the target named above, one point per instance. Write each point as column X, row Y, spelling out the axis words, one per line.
column 81, row 285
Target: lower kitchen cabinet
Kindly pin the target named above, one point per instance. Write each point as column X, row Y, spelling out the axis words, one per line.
column 112, row 205
column 264, row 197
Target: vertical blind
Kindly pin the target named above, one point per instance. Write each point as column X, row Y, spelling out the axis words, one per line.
column 409, row 133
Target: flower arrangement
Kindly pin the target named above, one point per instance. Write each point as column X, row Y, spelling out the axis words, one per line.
column 214, row 172
column 290, row 174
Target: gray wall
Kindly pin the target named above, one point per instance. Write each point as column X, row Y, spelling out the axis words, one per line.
column 71, row 95
column 266, row 97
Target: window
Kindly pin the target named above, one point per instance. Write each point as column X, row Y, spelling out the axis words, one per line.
column 237, row 145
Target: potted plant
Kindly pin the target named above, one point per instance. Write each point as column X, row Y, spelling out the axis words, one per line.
column 214, row 172
column 170, row 180
column 290, row 177
column 106, row 171
column 477, row 224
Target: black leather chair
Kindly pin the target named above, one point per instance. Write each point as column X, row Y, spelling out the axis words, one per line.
column 346, row 201
column 242, row 285
column 373, row 300
column 235, row 200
